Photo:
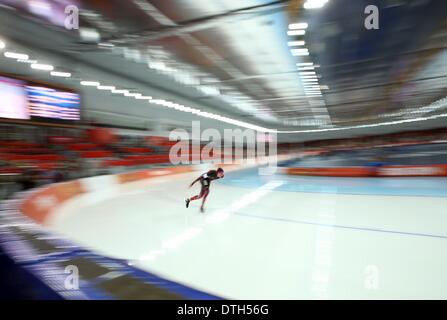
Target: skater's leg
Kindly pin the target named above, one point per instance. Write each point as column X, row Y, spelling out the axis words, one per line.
column 205, row 195
column 199, row 196
column 195, row 197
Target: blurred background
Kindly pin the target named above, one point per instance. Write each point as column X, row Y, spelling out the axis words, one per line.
column 95, row 87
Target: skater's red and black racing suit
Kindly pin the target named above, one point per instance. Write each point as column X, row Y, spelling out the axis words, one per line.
column 205, row 181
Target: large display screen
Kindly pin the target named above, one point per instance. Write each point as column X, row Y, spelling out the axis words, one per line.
column 53, row 104
column 13, row 99
column 23, row 100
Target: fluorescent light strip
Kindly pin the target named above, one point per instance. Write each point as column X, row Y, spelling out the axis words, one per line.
column 295, row 54
column 295, row 26
column 90, row 83
column 120, row 91
column 109, row 88
column 61, row 74
column 302, row 64
column 303, row 53
column 102, row 44
column 27, row 61
column 134, row 95
column 296, row 43
column 309, row 78
column 296, row 32
column 43, row 67
column 15, row 55
column 314, row 4
column 299, row 50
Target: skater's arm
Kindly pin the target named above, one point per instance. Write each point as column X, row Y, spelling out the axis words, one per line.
column 198, row 179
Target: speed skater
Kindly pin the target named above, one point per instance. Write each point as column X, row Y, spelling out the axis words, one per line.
column 205, row 181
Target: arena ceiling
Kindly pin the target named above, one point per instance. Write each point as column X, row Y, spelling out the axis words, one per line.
column 249, row 59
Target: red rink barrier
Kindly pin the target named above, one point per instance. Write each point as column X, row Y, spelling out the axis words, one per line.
column 331, row 172
column 385, row 171
column 39, row 204
column 439, row 170
column 152, row 173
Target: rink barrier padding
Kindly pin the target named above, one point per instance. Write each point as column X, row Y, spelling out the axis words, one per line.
column 330, row 172
column 41, row 202
column 438, row 170
column 152, row 173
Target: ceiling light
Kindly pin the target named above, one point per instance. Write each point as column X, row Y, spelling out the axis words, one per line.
column 306, row 73
column 89, row 35
column 299, row 50
column 309, row 80
column 313, row 91
column 133, row 95
column 44, row 67
column 15, row 55
column 2, row 44
column 296, row 32
column 303, row 53
column 314, row 4
column 120, row 91
column 109, row 45
column 61, row 74
column 181, row 107
column 27, row 61
column 170, row 104
column 296, row 43
column 302, row 64
column 110, row 88
column 295, row 26
column 306, row 68
column 90, row 83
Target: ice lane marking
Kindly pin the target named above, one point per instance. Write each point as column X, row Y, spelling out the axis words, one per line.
column 216, row 217
column 341, row 226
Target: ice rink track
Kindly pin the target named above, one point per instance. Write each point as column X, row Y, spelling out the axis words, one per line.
column 275, row 237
